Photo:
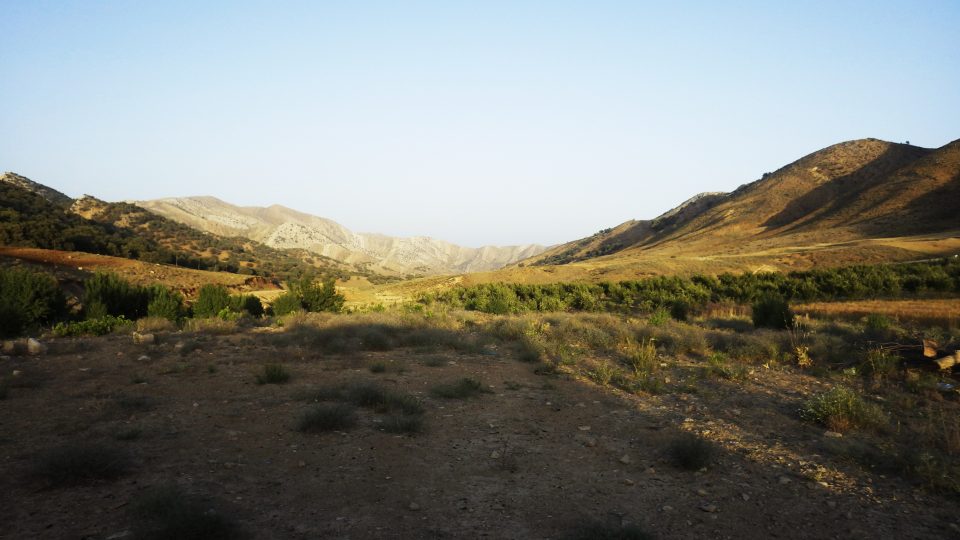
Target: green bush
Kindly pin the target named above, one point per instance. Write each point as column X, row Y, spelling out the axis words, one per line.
column 247, row 303
column 841, row 409
column 273, row 374
column 165, row 303
column 327, row 417
column 772, row 312
column 167, row 512
column 320, row 297
column 211, row 300
column 28, row 300
column 90, row 327
column 109, row 294
column 461, row 389
column 286, row 303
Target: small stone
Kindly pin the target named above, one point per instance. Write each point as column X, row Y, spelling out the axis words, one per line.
column 9, row 347
column 628, row 481
column 494, row 455
column 301, row 463
column 702, row 492
column 584, row 428
column 35, row 348
column 144, row 339
column 667, row 508
column 709, row 508
column 625, row 459
column 832, row 504
column 784, row 480
column 651, row 470
column 143, row 358
column 832, row 434
column 119, row 535
column 744, row 496
column 414, row 506
column 16, row 373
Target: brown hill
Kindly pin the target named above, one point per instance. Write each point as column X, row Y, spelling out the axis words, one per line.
column 864, row 200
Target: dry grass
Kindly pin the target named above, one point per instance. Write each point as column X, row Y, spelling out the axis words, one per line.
column 939, row 312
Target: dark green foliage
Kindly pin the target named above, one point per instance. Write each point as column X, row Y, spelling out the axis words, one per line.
column 109, row 294
column 772, row 312
column 680, row 295
column 252, row 305
column 167, row 512
column 598, row 530
column 273, row 374
column 327, row 417
column 462, row 389
column 286, row 303
column 403, row 423
column 691, row 452
column 319, row 296
column 165, row 303
column 211, row 300
column 378, row 367
column 28, row 300
column 80, row 463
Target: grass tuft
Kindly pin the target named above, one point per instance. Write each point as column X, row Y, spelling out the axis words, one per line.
column 691, row 452
column 327, row 417
column 597, row 530
column 79, row 464
column 841, row 409
column 273, row 374
column 462, row 389
column 167, row 512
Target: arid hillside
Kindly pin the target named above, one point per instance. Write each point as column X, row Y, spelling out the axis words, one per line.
column 855, row 202
column 281, row 227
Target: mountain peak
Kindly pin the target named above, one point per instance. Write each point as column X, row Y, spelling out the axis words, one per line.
column 47, row 193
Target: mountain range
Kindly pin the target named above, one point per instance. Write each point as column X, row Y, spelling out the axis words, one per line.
column 280, row 227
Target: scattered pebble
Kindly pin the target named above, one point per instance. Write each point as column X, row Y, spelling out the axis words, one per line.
column 667, row 508
column 744, row 496
column 584, row 428
column 832, row 434
column 625, row 459
column 702, row 492
column 784, row 480
column 628, row 481
column 709, row 508
column 414, row 506
column 143, row 358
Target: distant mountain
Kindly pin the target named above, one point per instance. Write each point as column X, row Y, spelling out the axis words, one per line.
column 34, row 215
column 852, row 193
column 281, row 227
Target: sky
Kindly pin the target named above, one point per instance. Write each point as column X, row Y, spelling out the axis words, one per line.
column 479, row 123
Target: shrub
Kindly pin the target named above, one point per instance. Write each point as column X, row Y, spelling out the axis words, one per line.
column 879, row 364
column 109, row 294
column 155, row 324
column 691, row 452
column 211, row 326
column 27, row 300
column 80, row 463
column 211, row 300
column 772, row 312
column 841, row 409
column 165, row 303
column 273, row 374
column 91, row 327
column 167, row 512
column 403, row 423
column 598, row 530
column 659, row 317
column 246, row 303
column 642, row 356
column 286, row 303
column 462, row 389
column 320, row 297
column 327, row 417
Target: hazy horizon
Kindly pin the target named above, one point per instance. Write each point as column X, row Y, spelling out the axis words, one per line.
column 497, row 124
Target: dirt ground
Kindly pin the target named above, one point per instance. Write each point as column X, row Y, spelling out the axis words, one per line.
column 535, row 458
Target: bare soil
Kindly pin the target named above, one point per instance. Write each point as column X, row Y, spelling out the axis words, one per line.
column 535, row 458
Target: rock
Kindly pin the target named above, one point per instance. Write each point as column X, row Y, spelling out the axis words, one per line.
column 119, row 535
column 709, row 508
column 301, row 463
column 179, row 346
column 702, row 492
column 16, row 373
column 414, row 506
column 9, row 347
column 494, row 455
column 784, row 480
column 584, row 428
column 144, row 339
column 628, row 481
column 930, row 348
column 745, row 497
column 667, row 508
column 832, row 504
column 832, row 434
column 143, row 358
column 625, row 459
column 35, row 348
column 948, row 362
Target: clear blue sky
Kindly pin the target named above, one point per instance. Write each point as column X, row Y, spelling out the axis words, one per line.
column 474, row 122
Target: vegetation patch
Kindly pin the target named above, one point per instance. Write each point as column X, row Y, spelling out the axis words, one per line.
column 273, row 374
column 80, row 463
column 599, row 530
column 327, row 417
column 691, row 452
column 841, row 409
column 168, row 512
column 461, row 389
